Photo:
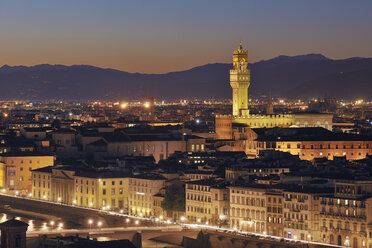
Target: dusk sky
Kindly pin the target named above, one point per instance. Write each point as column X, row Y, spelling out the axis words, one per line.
column 159, row 36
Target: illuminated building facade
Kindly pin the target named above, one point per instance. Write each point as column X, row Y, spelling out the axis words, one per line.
column 207, row 202
column 311, row 143
column 142, row 189
column 16, row 169
column 100, row 190
column 248, row 208
column 345, row 216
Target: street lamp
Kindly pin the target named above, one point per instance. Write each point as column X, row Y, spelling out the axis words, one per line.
column 90, row 221
column 52, row 222
column 60, row 225
column 99, row 223
column 127, row 220
column 182, row 218
column 137, row 222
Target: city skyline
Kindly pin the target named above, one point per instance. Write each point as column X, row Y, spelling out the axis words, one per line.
column 165, row 36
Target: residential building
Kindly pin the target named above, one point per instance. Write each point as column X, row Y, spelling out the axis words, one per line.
column 207, row 202
column 16, row 169
column 142, row 189
column 248, row 207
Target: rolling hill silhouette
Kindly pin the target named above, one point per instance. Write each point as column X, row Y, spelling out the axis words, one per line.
column 308, row 76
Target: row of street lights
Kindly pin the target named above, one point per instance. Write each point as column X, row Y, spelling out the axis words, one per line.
column 90, row 222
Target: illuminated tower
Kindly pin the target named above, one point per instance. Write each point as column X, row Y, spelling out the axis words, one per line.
column 269, row 106
column 240, row 80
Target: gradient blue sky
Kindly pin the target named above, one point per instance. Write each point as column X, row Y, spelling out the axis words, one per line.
column 158, row 36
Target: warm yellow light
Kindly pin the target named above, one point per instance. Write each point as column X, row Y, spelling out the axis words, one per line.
column 123, row 105
column 146, row 105
column 99, row 223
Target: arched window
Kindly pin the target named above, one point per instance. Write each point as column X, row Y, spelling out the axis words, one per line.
column 339, row 240
column 331, row 239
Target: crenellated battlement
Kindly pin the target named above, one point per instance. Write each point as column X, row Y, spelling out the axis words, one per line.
column 224, row 116
column 237, row 71
column 258, row 116
column 240, row 52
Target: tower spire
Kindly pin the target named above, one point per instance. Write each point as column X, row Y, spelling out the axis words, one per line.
column 240, row 45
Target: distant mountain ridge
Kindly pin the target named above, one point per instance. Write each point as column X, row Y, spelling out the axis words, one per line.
column 311, row 75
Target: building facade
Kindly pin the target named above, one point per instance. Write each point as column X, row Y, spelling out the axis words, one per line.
column 16, row 169
column 142, row 190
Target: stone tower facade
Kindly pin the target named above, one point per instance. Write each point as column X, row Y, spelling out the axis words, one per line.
column 240, row 79
column 269, row 106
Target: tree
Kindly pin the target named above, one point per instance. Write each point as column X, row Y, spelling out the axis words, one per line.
column 174, row 199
